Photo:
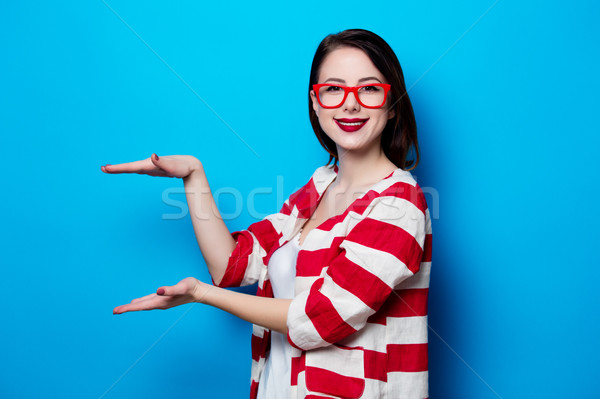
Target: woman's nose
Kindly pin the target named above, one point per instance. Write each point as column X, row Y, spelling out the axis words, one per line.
column 351, row 102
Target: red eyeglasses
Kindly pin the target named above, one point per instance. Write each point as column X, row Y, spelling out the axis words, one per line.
column 369, row 96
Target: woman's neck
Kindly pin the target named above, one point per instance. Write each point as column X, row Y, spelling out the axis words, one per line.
column 362, row 169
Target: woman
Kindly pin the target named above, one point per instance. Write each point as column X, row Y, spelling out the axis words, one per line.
column 343, row 268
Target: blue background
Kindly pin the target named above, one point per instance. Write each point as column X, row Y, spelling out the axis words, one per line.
column 506, row 103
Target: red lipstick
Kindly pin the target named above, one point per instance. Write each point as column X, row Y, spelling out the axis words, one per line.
column 350, row 124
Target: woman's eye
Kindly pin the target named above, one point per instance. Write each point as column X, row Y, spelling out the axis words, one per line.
column 334, row 88
column 370, row 88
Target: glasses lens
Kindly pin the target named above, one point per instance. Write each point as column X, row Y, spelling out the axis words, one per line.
column 331, row 96
column 371, row 96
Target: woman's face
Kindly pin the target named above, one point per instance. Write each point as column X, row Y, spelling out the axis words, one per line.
column 351, row 126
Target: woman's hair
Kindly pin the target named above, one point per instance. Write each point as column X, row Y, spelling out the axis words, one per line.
column 400, row 132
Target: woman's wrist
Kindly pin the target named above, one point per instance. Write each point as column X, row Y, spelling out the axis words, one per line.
column 196, row 170
column 202, row 292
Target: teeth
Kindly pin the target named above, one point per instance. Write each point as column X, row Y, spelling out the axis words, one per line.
column 350, row 123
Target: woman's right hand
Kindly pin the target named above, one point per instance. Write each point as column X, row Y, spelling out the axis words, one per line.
column 180, row 166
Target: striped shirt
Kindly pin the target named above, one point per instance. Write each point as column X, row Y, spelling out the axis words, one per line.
column 358, row 321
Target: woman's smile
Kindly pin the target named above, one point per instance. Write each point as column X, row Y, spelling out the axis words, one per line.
column 351, row 124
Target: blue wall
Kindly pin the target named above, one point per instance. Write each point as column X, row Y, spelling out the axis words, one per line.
column 506, row 101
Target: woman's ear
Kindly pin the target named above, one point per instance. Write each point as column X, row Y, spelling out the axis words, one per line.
column 315, row 104
column 391, row 113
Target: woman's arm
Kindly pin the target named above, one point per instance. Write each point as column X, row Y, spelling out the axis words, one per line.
column 213, row 236
column 214, row 239
column 270, row 313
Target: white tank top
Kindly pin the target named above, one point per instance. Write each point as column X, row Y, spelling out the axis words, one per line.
column 275, row 380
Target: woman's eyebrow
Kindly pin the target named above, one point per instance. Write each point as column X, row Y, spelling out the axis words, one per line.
column 361, row 80
column 369, row 78
column 335, row 80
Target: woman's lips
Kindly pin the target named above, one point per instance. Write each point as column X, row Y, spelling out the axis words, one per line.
column 350, row 124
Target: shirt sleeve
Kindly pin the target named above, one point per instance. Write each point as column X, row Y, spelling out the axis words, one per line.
column 248, row 257
column 383, row 249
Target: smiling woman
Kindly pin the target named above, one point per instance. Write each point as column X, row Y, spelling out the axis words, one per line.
column 347, row 113
column 378, row 65
column 343, row 268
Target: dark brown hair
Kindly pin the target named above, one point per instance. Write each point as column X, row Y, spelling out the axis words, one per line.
column 400, row 133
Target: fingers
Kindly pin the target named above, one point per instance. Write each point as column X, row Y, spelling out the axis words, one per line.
column 127, row 308
column 164, row 298
column 118, row 310
column 178, row 289
column 178, row 166
column 151, row 301
column 142, row 298
column 162, row 291
column 148, row 302
column 167, row 165
column 128, row 167
column 145, row 166
column 155, row 160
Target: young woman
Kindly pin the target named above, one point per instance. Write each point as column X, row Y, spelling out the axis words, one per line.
column 343, row 268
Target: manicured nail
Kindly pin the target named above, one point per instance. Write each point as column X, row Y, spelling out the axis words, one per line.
column 156, row 156
column 160, row 291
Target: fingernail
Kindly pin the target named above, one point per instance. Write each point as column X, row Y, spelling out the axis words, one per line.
column 160, row 291
column 156, row 156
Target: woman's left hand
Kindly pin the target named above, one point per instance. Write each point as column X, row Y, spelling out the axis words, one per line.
column 186, row 291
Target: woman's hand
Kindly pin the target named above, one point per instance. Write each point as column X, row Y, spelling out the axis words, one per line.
column 270, row 313
column 186, row 291
column 169, row 166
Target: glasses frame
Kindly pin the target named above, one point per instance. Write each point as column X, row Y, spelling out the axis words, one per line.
column 347, row 89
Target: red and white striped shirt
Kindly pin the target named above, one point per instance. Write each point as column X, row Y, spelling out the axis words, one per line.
column 358, row 321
